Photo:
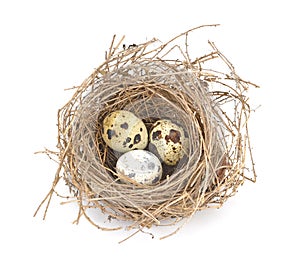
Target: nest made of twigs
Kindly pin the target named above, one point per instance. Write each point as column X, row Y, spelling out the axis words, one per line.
column 143, row 80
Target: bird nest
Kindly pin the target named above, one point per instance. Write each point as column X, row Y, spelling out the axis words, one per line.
column 210, row 105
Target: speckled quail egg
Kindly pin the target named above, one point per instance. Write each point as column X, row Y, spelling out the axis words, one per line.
column 140, row 166
column 169, row 140
column 123, row 131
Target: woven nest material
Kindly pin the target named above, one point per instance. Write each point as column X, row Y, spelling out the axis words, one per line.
column 210, row 105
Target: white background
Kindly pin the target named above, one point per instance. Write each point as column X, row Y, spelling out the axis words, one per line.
column 47, row 46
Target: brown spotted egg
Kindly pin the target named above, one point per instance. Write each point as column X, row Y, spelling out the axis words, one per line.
column 123, row 131
column 169, row 140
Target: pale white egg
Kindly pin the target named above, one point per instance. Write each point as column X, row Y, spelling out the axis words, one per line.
column 123, row 131
column 140, row 166
column 169, row 140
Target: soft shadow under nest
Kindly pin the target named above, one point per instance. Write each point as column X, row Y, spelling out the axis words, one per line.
column 144, row 81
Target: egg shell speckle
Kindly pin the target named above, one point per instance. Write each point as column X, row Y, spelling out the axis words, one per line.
column 141, row 166
column 169, row 140
column 123, row 131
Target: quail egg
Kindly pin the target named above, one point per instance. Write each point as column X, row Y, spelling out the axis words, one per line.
column 169, row 140
column 123, row 131
column 140, row 166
